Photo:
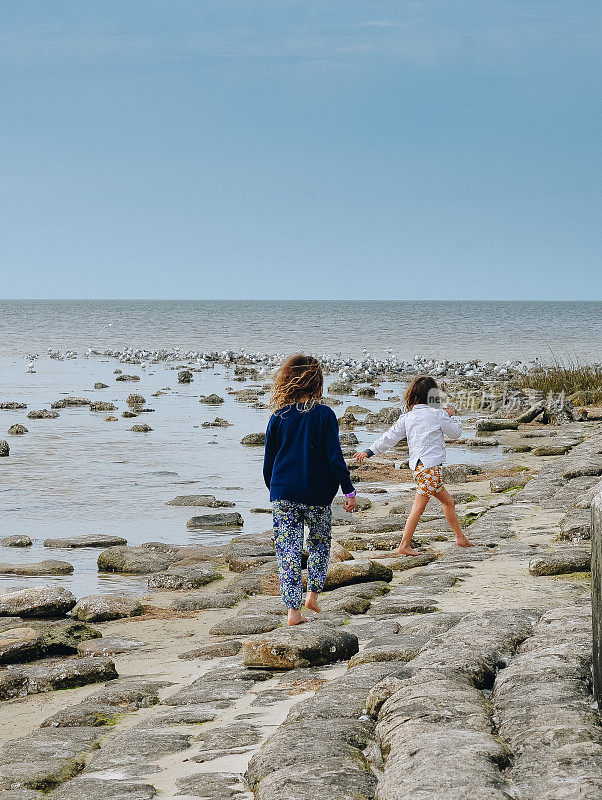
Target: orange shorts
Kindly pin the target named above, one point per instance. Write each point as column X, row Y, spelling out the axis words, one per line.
column 428, row 480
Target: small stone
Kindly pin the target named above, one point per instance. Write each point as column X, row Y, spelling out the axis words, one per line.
column 135, row 399
column 127, row 378
column 16, row 541
column 211, row 400
column 223, row 519
column 482, row 441
column 99, row 385
column 43, row 413
column 144, row 428
column 218, row 422
column 253, row 440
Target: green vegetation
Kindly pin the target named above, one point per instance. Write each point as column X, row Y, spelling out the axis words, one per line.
column 581, row 382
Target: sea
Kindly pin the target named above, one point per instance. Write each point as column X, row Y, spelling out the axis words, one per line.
column 81, row 474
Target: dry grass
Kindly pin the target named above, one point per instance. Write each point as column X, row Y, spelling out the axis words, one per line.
column 581, row 382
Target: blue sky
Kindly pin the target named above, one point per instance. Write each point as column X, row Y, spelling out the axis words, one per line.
column 280, row 149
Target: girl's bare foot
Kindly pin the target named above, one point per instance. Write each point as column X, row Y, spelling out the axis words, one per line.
column 311, row 602
column 294, row 617
column 407, row 551
column 462, row 541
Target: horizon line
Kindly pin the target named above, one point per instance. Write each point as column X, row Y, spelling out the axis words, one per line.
column 286, row 300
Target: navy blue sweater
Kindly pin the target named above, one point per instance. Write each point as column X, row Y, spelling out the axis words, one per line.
column 303, row 460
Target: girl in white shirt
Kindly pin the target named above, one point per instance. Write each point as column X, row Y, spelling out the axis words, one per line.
column 423, row 426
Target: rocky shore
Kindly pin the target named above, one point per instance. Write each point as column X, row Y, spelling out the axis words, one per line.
column 458, row 673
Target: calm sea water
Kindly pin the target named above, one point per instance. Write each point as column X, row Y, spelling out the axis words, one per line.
column 454, row 330
column 81, row 474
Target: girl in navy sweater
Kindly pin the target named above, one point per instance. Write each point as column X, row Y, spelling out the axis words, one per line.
column 303, row 468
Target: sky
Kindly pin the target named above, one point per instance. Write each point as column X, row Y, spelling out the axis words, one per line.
column 275, row 149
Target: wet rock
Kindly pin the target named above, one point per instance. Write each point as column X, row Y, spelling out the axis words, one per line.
column 47, row 676
column 48, row 567
column 345, row 573
column 100, row 385
column 147, row 558
column 143, row 428
column 179, row 577
column 517, row 448
column 198, row 602
column 12, row 406
column 221, row 520
column 102, row 405
column 340, row 387
column 46, row 758
column 211, row 400
column 517, row 481
column 4, row 448
column 17, row 430
column 454, row 473
column 312, row 644
column 91, row 540
column 109, row 646
column 70, row 402
column 135, row 399
column 496, row 425
column 217, row 650
column 561, row 562
column 482, row 441
column 207, row 500
column 127, row 378
column 43, row 413
column 253, row 440
column 103, row 607
column 129, row 414
column 18, row 540
column 185, row 376
column 348, row 439
column 366, row 391
column 246, row 625
column 218, row 422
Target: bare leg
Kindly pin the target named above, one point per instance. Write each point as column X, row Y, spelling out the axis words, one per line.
column 420, row 501
column 449, row 509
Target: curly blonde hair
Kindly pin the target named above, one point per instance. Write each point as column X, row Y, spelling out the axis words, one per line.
column 299, row 381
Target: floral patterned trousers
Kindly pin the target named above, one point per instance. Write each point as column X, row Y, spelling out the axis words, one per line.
column 289, row 519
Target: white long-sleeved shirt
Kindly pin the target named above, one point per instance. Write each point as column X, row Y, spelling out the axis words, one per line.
column 424, row 428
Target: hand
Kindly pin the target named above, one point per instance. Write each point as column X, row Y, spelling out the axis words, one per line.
column 359, row 457
column 350, row 503
column 450, row 410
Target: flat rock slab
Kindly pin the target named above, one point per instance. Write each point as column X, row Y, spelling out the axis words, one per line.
column 561, row 562
column 199, row 602
column 402, row 647
column 207, row 500
column 232, row 647
column 46, row 676
column 505, row 484
column 88, row 788
column 294, row 647
column 344, row 573
column 16, row 541
column 101, row 540
column 48, row 567
column 103, row 607
column 401, row 605
column 191, row 577
column 246, row 625
column 109, row 646
column 226, row 519
column 496, row 425
column 40, row 602
column 46, row 758
column 146, row 558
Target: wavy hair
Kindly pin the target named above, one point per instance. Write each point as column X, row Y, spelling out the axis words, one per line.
column 299, row 381
column 423, row 389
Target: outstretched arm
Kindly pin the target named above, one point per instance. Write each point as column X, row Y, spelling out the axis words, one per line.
column 389, row 439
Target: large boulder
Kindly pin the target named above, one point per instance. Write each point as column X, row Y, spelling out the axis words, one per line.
column 224, row 519
column 103, row 607
column 39, row 602
column 91, row 540
column 299, row 646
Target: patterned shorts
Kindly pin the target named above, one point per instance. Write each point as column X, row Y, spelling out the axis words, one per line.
column 428, row 480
